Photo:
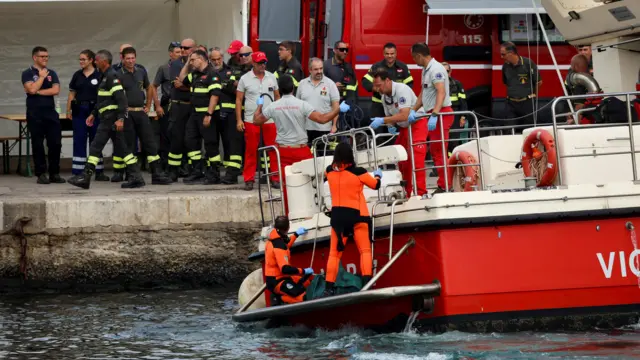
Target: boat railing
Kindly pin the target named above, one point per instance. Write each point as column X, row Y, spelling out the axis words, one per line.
column 628, row 102
column 444, row 144
column 388, row 265
column 271, row 199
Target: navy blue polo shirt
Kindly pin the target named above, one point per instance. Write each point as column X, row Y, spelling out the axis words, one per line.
column 40, row 101
column 174, row 70
column 86, row 88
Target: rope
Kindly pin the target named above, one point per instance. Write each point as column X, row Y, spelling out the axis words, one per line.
column 517, row 118
column 491, row 156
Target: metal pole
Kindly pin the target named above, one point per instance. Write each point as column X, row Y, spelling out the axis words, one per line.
column 253, row 299
column 479, row 150
column 282, row 190
column 264, row 166
column 555, row 137
column 631, row 140
column 414, row 190
column 391, row 223
column 444, row 153
column 388, row 265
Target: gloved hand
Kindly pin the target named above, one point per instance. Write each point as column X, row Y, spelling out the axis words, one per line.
column 301, row 231
column 433, row 120
column 393, row 130
column 260, row 100
column 344, row 107
column 412, row 116
column 308, row 271
column 377, row 173
column 376, row 122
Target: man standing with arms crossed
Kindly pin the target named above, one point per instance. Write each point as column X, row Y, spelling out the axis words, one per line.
column 435, row 99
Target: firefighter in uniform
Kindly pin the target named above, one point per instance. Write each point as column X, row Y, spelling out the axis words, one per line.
column 398, row 72
column 232, row 139
column 111, row 106
column 289, row 65
column 435, row 99
column 134, row 81
column 398, row 99
column 341, row 72
column 458, row 103
column 521, row 76
column 179, row 113
column 205, row 87
column 286, row 282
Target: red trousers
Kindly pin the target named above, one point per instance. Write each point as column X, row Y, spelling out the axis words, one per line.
column 436, row 148
column 419, row 132
column 251, row 141
column 289, row 156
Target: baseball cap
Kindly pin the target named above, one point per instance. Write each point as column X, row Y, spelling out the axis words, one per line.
column 258, row 56
column 235, row 46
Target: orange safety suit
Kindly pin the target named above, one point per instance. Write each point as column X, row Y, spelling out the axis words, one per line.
column 349, row 216
column 284, row 280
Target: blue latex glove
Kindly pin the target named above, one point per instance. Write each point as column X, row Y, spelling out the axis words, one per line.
column 301, row 231
column 376, row 122
column 344, row 107
column 308, row 271
column 433, row 120
column 392, row 130
column 412, row 116
column 378, row 173
column 260, row 101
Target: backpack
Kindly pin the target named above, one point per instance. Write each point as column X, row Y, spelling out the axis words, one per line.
column 613, row 111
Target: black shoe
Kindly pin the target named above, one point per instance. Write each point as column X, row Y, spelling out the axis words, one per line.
column 172, row 172
column 102, row 177
column 157, row 176
column 56, row 179
column 366, row 279
column 230, row 177
column 212, row 175
column 43, row 179
column 329, row 290
column 439, row 190
column 83, row 180
column 196, row 176
column 118, row 176
column 275, row 184
column 248, row 186
column 185, row 170
column 134, row 178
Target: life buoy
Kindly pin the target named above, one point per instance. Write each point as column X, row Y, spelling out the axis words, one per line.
column 534, row 160
column 470, row 172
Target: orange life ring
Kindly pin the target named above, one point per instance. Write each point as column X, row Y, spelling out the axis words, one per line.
column 470, row 172
column 531, row 151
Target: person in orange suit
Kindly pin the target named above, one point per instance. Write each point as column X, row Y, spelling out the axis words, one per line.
column 350, row 217
column 288, row 282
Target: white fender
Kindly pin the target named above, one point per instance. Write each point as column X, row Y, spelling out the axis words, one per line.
column 250, row 285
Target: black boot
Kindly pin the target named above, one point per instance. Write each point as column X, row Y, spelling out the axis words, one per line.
column 157, row 176
column 366, row 279
column 185, row 170
column 212, row 175
column 118, row 176
column 84, row 180
column 328, row 290
column 231, row 176
column 172, row 172
column 134, row 177
column 196, row 175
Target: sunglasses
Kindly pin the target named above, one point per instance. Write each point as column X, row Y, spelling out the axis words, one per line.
column 343, row 49
column 186, row 47
column 262, row 63
column 244, row 55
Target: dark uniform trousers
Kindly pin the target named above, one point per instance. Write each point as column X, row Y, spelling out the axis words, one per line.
column 44, row 123
column 196, row 131
column 106, row 130
column 178, row 118
column 161, row 133
column 232, row 139
column 522, row 109
column 138, row 123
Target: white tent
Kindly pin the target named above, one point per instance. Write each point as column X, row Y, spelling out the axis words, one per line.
column 66, row 27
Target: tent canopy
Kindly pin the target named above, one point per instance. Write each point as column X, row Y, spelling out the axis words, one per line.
column 66, row 27
column 482, row 7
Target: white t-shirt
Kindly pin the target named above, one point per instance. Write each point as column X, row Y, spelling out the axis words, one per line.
column 290, row 115
column 320, row 97
column 252, row 87
column 402, row 97
column 433, row 74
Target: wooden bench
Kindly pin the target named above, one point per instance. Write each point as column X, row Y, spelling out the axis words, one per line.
column 6, row 149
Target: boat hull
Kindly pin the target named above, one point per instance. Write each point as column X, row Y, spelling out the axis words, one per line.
column 546, row 275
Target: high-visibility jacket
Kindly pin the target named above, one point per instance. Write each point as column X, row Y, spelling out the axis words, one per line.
column 111, row 97
column 277, row 257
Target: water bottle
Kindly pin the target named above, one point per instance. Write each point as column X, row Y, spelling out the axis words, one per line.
column 58, row 108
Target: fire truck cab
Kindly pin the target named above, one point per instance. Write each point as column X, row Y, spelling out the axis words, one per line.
column 465, row 33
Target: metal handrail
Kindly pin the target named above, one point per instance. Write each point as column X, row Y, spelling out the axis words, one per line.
column 632, row 150
column 414, row 188
column 265, row 150
column 392, row 261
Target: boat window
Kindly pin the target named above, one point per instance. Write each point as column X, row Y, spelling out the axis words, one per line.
column 522, row 28
column 275, row 27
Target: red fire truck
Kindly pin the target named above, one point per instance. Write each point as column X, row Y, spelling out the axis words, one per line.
column 465, row 33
